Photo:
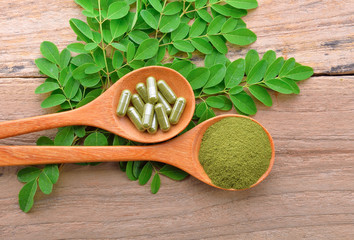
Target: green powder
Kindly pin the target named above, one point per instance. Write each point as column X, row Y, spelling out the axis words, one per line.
column 235, row 152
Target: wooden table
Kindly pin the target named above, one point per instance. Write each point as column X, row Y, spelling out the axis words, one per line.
column 308, row 195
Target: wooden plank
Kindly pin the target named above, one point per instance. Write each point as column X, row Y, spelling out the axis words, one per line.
column 316, row 33
column 308, row 195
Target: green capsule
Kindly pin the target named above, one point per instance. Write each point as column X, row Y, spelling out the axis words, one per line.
column 151, row 88
column 154, row 125
column 138, row 103
column 166, row 91
column 141, row 89
column 177, row 110
column 164, row 102
column 148, row 115
column 124, row 101
column 135, row 117
column 162, row 117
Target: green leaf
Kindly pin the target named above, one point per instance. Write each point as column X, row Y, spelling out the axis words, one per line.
column 173, row 8
column 203, row 14
column 270, row 57
column 181, row 32
column 184, row 46
column 257, row 72
column 138, row 36
column 92, row 68
column 217, row 74
column 200, row 3
column 218, row 43
column 80, row 131
column 118, row 27
column 145, row 174
column 173, row 172
column 244, row 102
column 214, row 58
column 117, row 60
column 28, row 174
column 26, row 195
column 183, row 67
column 288, row 65
column 274, row 69
column 64, row 137
column 229, row 25
column 198, row 77
column 64, row 58
column 155, row 184
column 96, row 139
column 229, row 11
column 251, row 58
column 241, row 36
column 44, row 141
column 197, row 28
column 234, row 73
column 46, row 87
column 227, row 103
column 147, row 49
column 169, row 23
column 118, row 9
column 137, row 167
column 279, row 86
column 149, row 19
column 202, row 45
column 129, row 171
column 119, row 46
column 209, row 113
column 215, row 89
column 243, row 4
column 77, row 48
column 156, row 4
column 295, row 88
column 90, row 46
column 216, row 25
column 235, row 90
column 81, row 29
column 130, row 51
column 215, row 101
column 300, row 73
column 47, row 68
column 200, row 109
column 85, row 4
column 44, row 183
column 53, row 100
column 50, row 52
column 71, row 88
column 261, row 94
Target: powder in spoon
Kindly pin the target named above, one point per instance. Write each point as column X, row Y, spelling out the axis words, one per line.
column 235, row 152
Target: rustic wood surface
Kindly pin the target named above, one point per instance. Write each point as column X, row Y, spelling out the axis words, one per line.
column 308, row 195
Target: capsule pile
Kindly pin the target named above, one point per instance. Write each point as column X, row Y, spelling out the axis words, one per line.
column 154, row 105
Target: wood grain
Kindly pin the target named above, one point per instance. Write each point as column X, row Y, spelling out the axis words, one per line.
column 317, row 33
column 308, row 195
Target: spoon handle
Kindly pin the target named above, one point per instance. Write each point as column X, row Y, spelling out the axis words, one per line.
column 33, row 155
column 34, row 124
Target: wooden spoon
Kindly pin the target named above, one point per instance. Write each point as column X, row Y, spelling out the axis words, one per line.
column 181, row 152
column 101, row 112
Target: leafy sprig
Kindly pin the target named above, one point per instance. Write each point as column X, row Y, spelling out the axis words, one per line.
column 120, row 36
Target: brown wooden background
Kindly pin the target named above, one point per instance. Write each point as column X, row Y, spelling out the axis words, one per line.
column 308, row 195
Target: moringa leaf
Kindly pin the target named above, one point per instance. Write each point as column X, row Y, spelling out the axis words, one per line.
column 261, row 94
column 202, row 45
column 64, row 137
column 44, row 183
column 156, row 4
column 244, row 102
column 169, row 23
column 216, row 25
column 81, row 29
column 173, row 172
column 28, row 174
column 53, row 100
column 26, row 195
column 300, row 73
column 198, row 77
column 241, row 36
column 48, row 68
column 251, row 58
column 257, row 72
column 243, row 4
column 50, row 52
column 155, row 184
column 217, row 74
column 96, row 139
column 184, row 46
column 118, row 9
column 218, row 43
column 46, row 87
column 234, row 73
column 149, row 19
column 145, row 174
column 279, row 85
column 147, row 49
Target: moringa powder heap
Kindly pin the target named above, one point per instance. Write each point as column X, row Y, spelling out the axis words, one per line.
column 235, row 152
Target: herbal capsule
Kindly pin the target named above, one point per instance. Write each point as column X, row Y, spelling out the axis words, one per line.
column 151, row 90
column 138, row 103
column 141, row 89
column 148, row 115
column 154, row 125
column 135, row 117
column 164, row 102
column 177, row 110
column 162, row 117
column 123, row 104
column 166, row 91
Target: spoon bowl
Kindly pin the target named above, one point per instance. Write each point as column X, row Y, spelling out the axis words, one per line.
column 181, row 152
column 101, row 112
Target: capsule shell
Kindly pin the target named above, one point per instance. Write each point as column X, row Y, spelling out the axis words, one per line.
column 123, row 104
column 164, row 102
column 151, row 88
column 177, row 110
column 154, row 125
column 135, row 117
column 141, row 89
column 166, row 91
column 148, row 115
column 162, row 117
column 138, row 103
